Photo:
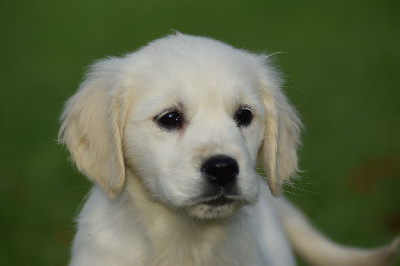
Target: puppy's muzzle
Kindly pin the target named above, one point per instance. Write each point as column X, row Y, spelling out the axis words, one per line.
column 220, row 170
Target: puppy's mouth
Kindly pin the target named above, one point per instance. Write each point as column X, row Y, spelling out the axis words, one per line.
column 219, row 201
column 219, row 196
column 211, row 208
column 216, row 203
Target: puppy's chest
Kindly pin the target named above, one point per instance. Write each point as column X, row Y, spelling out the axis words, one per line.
column 206, row 248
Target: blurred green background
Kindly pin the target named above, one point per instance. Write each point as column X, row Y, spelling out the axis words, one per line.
column 341, row 60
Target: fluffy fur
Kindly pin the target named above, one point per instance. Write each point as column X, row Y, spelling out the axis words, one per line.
column 155, row 201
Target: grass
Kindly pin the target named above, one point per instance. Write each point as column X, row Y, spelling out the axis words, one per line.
column 340, row 60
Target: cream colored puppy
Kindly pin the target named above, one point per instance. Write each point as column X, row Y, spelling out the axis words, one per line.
column 170, row 134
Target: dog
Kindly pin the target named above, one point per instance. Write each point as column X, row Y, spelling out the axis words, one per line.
column 171, row 136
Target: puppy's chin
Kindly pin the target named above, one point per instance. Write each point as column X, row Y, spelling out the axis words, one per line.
column 214, row 210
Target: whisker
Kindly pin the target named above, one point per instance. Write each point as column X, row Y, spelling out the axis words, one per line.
column 302, row 189
column 292, row 193
column 273, row 54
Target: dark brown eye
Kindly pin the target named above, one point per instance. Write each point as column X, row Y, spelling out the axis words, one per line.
column 172, row 120
column 243, row 117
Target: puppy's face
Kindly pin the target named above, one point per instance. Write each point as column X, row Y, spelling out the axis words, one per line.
column 193, row 134
column 188, row 115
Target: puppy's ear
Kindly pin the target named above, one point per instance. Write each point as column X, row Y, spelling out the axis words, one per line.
column 282, row 134
column 92, row 128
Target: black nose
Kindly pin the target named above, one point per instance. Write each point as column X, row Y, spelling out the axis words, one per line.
column 220, row 170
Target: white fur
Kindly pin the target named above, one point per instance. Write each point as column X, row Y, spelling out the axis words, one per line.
column 149, row 205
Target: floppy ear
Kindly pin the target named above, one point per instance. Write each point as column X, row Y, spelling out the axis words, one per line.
column 282, row 134
column 92, row 128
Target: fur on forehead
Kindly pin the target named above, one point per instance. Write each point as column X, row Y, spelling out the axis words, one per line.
column 198, row 59
column 179, row 66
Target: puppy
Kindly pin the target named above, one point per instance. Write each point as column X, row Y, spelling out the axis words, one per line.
column 170, row 135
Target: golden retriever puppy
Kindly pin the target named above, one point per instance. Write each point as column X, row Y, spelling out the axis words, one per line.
column 170, row 134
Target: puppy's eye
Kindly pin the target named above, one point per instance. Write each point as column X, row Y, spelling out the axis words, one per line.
column 243, row 117
column 171, row 120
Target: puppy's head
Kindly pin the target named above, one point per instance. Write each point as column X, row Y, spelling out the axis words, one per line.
column 188, row 115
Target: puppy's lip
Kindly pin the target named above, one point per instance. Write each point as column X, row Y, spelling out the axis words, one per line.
column 219, row 200
column 222, row 200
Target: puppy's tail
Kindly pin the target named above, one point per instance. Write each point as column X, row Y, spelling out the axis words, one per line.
column 316, row 249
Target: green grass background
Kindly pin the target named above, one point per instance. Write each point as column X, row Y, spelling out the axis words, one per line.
column 341, row 60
